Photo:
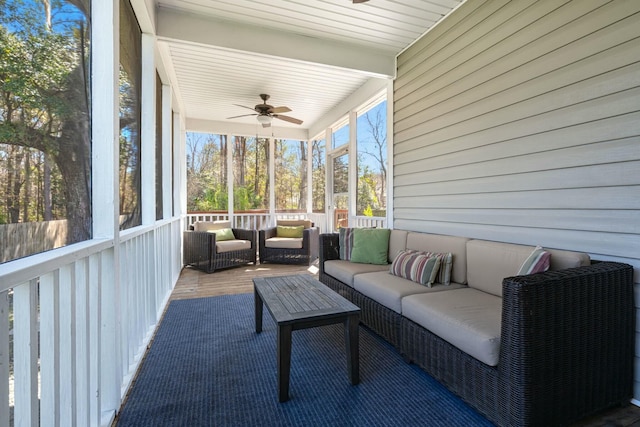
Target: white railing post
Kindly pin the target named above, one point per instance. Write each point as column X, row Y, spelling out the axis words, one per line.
column 25, row 354
column 4, row 358
column 49, row 349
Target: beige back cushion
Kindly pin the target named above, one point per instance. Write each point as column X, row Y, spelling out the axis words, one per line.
column 210, row 225
column 443, row 244
column 397, row 243
column 295, row 222
column 490, row 262
column 561, row 260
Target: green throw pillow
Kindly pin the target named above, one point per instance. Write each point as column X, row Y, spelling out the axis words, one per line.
column 223, row 234
column 370, row 245
column 289, row 231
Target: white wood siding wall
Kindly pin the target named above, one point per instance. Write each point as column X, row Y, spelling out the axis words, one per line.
column 519, row 121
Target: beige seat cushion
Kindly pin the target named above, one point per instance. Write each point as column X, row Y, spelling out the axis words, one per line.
column 466, row 318
column 388, row 290
column 232, row 245
column 284, row 242
column 210, row 225
column 344, row 271
column 295, row 222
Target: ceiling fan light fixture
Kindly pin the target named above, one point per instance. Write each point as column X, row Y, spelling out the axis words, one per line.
column 264, row 119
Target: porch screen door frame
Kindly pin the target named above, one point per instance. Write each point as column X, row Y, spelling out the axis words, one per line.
column 332, row 196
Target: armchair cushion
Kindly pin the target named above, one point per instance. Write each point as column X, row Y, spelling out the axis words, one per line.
column 232, row 245
column 223, row 234
column 284, row 242
column 306, row 223
column 210, row 225
column 290, row 231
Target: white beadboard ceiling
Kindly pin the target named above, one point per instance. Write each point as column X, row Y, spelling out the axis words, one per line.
column 309, row 55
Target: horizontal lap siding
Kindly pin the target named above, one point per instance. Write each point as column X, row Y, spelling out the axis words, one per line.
column 520, row 122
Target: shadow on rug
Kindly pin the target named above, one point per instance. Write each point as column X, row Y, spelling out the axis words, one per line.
column 208, row 367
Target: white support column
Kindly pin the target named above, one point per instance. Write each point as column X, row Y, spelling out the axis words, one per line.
column 167, row 157
column 148, row 130
column 309, row 177
column 230, row 176
column 183, row 166
column 272, row 180
column 4, row 358
column 177, row 165
column 390, row 154
column 328, row 181
column 353, row 165
column 105, row 131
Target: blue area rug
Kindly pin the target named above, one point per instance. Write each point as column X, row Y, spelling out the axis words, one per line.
column 208, row 367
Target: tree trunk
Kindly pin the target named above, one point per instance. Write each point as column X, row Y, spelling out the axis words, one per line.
column 27, row 187
column 48, row 213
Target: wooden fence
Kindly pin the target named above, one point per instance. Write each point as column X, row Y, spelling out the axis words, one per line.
column 24, row 239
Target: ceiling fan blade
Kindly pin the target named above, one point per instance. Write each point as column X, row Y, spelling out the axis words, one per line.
column 278, row 110
column 288, row 119
column 243, row 115
column 244, row 106
column 359, row 1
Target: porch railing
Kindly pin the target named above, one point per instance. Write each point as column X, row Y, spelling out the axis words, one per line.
column 261, row 220
column 71, row 335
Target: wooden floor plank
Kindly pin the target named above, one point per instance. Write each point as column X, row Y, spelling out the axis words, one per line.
column 195, row 284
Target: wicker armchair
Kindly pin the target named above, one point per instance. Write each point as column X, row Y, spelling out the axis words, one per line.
column 201, row 250
column 305, row 255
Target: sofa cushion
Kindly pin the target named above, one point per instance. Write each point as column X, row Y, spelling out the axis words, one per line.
column 232, row 245
column 294, row 231
column 397, row 243
column 344, row 271
column 345, row 242
column 561, row 260
column 284, row 242
column 438, row 243
column 389, row 290
column 370, row 245
column 211, row 225
column 306, row 223
column 419, row 267
column 490, row 262
column 466, row 318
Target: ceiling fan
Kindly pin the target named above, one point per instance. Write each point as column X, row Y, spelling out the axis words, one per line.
column 266, row 112
column 359, row 1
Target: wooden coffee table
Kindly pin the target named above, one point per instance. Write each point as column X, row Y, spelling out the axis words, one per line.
column 300, row 302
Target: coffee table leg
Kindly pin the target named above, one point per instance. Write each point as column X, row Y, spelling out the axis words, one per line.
column 258, row 310
column 352, row 342
column 284, row 361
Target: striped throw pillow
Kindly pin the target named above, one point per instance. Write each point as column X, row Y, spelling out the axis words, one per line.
column 419, row 267
column 537, row 262
column 345, row 241
column 446, row 265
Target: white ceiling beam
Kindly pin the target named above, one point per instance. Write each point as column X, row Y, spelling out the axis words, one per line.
column 178, row 26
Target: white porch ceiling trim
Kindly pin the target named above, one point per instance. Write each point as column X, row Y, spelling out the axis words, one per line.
column 244, row 129
column 174, row 25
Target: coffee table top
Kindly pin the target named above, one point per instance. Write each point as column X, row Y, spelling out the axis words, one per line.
column 300, row 297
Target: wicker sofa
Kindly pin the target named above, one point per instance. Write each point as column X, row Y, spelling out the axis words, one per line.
column 563, row 340
column 203, row 251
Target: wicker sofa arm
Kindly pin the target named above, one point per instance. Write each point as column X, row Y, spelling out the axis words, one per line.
column 244, row 234
column 310, row 237
column 568, row 341
column 197, row 246
column 329, row 248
